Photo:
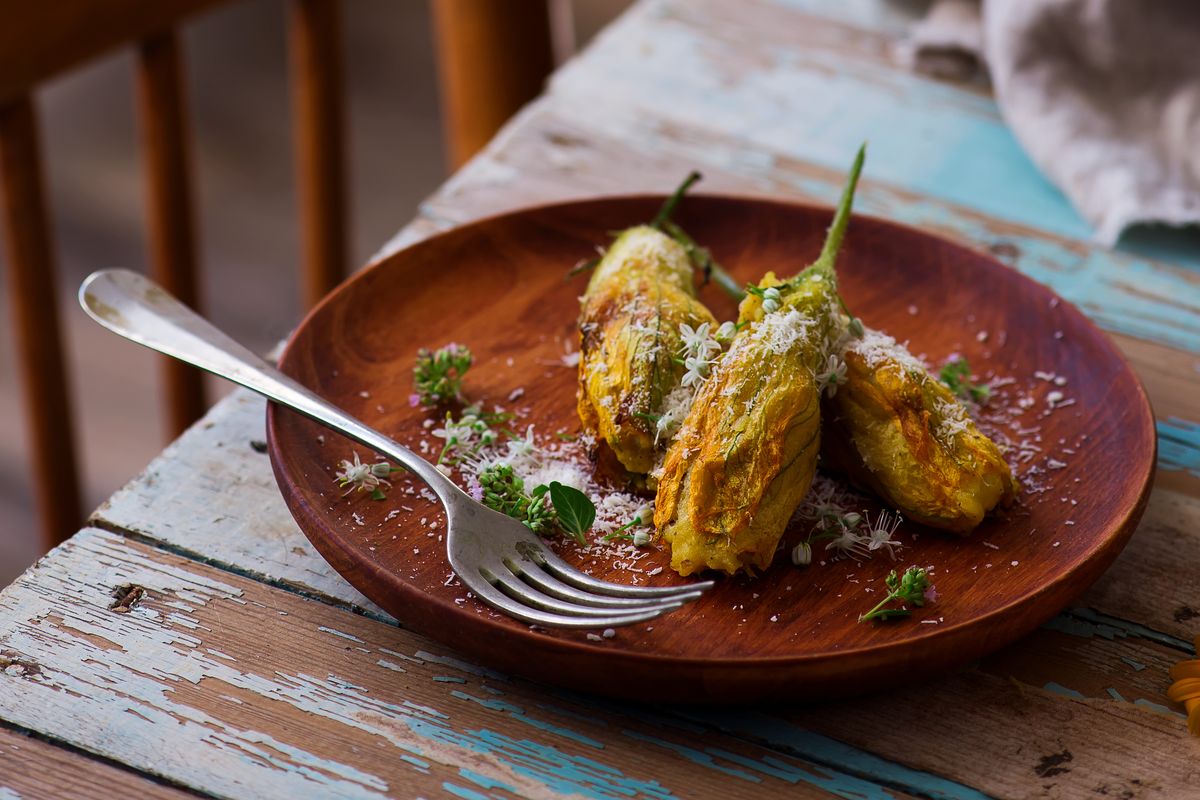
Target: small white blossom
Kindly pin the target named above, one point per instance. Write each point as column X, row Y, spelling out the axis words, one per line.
column 856, row 327
column 879, row 536
column 642, row 538
column 693, row 338
column 698, row 342
column 697, row 371
column 833, row 376
column 771, row 300
column 802, row 554
column 363, row 477
column 848, row 542
column 726, row 332
column 522, row 447
column 465, row 436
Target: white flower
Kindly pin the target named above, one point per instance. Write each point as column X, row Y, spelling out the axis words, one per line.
column 698, row 342
column 693, row 338
column 856, row 328
column 802, row 554
column 363, row 477
column 697, row 371
column 642, row 538
column 879, row 536
column 848, row 542
column 833, row 376
column 464, row 436
column 726, row 332
column 522, row 447
column 666, row 426
column 771, row 300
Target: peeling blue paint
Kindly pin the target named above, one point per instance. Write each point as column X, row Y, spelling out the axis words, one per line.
column 1058, row 688
column 1086, row 623
column 928, row 138
column 518, row 713
column 463, row 792
column 420, row 763
column 1137, row 665
column 449, row 679
column 485, row 782
column 845, row 770
column 931, row 137
column 558, row 771
column 1144, row 703
column 1179, row 445
column 1114, row 694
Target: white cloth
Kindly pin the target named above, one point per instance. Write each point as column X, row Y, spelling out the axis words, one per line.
column 1104, row 95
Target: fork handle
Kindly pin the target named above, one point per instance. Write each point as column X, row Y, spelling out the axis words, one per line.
column 140, row 310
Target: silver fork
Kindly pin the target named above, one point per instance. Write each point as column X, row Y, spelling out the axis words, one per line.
column 498, row 558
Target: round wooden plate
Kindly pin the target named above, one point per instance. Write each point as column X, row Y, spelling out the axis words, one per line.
column 499, row 286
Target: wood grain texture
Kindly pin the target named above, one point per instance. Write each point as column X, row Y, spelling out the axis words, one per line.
column 31, row 769
column 351, row 707
column 317, row 78
column 770, row 75
column 180, row 686
column 573, row 143
column 358, row 347
column 34, row 306
column 492, row 59
column 166, row 151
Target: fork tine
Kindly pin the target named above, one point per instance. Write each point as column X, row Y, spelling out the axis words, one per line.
column 499, row 600
column 522, row 592
column 568, row 574
column 533, row 574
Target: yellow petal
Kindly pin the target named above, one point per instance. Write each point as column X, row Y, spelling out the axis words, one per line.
column 1185, row 689
column 1186, row 669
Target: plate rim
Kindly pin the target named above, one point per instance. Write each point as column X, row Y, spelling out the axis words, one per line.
column 1091, row 566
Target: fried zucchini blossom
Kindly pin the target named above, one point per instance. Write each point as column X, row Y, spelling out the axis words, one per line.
column 902, row 433
column 640, row 294
column 747, row 451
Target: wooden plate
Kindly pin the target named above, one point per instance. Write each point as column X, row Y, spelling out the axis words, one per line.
column 498, row 286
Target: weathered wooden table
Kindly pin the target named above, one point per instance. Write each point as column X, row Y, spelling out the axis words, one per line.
column 191, row 640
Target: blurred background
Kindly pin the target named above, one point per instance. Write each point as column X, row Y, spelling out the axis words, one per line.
column 238, row 95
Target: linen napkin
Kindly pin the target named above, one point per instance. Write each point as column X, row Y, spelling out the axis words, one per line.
column 1104, row 95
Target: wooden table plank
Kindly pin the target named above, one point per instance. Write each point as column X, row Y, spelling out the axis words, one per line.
column 569, row 147
column 179, row 685
column 31, row 769
column 783, row 80
column 211, row 494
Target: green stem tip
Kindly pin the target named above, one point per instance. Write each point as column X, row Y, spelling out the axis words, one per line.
column 841, row 220
column 668, row 207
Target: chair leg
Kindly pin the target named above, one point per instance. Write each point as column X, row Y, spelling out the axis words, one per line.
column 34, row 303
column 493, row 58
column 316, row 49
column 166, row 154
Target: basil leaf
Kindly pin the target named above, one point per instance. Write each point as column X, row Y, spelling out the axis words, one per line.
column 576, row 513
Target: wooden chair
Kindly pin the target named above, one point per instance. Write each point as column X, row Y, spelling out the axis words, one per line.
column 493, row 57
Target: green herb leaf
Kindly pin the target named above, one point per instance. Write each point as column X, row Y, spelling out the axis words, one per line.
column 438, row 374
column 913, row 588
column 576, row 513
column 956, row 375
